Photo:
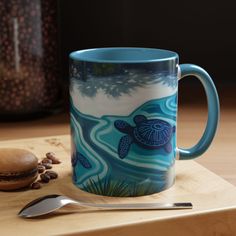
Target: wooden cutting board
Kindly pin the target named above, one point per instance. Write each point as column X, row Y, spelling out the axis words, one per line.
column 214, row 201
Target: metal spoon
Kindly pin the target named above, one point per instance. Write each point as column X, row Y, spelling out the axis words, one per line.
column 49, row 203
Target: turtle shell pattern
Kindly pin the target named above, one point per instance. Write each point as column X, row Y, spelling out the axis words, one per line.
column 153, row 132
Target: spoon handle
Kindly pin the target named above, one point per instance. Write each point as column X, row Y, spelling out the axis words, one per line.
column 138, row 206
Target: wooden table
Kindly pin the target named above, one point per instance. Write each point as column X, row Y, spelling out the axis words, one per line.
column 215, row 213
column 213, row 199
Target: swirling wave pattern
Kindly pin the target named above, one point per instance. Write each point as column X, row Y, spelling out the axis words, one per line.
column 142, row 172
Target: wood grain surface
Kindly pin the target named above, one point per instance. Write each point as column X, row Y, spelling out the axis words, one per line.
column 213, row 198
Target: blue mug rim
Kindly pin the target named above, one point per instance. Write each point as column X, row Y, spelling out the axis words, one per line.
column 123, row 55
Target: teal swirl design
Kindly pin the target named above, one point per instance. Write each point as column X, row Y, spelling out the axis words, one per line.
column 142, row 172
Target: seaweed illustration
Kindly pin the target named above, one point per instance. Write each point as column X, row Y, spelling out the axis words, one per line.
column 107, row 186
column 111, row 186
column 144, row 189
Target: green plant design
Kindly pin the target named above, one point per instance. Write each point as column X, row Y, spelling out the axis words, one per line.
column 108, row 187
column 119, row 188
column 144, row 189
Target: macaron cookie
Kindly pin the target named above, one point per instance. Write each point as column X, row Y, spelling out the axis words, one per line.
column 18, row 168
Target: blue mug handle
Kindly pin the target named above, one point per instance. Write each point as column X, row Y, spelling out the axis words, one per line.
column 213, row 112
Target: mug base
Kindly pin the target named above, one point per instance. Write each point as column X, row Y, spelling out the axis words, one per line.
column 113, row 186
column 138, row 194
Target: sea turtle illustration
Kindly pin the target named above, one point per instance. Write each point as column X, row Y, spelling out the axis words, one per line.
column 149, row 134
column 79, row 157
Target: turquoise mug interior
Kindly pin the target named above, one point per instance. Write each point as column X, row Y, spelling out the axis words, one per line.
column 123, row 55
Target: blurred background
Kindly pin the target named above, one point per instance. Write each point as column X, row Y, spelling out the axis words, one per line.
column 201, row 32
column 37, row 36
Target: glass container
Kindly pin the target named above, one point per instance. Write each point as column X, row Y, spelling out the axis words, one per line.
column 29, row 57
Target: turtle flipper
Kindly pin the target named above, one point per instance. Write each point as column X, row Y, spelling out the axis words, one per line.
column 124, row 145
column 123, row 126
column 83, row 160
column 173, row 129
column 74, row 175
column 168, row 147
column 74, row 160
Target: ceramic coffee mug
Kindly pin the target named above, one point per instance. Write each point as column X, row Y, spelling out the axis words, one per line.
column 123, row 119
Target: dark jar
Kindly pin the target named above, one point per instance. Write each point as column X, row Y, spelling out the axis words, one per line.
column 29, row 57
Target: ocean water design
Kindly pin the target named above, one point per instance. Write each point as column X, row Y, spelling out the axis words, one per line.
column 143, row 171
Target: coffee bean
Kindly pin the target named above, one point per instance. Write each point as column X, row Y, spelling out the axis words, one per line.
column 56, row 161
column 45, row 178
column 52, row 156
column 46, row 160
column 35, row 185
column 41, row 168
column 47, row 165
column 52, row 174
